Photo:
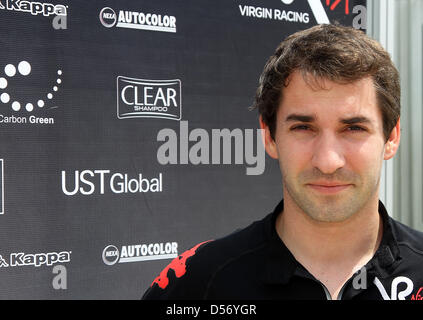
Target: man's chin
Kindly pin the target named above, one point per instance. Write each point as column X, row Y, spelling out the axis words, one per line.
column 328, row 208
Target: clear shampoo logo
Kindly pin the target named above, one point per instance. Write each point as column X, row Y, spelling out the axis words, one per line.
column 142, row 98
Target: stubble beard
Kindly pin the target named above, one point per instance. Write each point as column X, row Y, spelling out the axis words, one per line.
column 332, row 208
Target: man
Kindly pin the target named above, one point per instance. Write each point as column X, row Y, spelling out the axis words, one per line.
column 329, row 104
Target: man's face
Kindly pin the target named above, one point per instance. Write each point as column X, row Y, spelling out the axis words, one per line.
column 330, row 146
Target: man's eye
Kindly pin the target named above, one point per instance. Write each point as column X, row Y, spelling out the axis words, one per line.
column 355, row 128
column 300, row 128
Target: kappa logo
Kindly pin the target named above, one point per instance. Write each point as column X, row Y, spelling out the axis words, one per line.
column 178, row 265
column 395, row 295
column 21, row 259
column 33, row 7
column 3, row 262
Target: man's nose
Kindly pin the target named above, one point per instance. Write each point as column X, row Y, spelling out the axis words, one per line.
column 327, row 154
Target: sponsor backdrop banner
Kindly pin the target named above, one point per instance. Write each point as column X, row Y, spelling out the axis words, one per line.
column 126, row 137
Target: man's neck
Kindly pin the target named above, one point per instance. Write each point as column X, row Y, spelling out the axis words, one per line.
column 331, row 251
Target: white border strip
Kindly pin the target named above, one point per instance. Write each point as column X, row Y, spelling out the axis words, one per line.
column 2, row 186
column 147, row 258
column 145, row 27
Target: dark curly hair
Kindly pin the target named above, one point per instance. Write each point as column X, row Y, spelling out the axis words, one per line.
column 337, row 53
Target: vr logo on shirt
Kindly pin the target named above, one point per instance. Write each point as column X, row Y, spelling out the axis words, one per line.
column 395, row 295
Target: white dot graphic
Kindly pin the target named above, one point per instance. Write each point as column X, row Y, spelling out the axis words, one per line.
column 29, row 107
column 4, row 98
column 24, row 68
column 16, row 106
column 10, row 70
column 3, row 83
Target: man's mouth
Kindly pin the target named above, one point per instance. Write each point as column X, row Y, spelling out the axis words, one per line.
column 329, row 187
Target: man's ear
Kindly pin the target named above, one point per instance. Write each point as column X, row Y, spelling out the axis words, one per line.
column 391, row 146
column 269, row 143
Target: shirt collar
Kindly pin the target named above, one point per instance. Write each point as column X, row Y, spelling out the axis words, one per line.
column 388, row 254
column 281, row 265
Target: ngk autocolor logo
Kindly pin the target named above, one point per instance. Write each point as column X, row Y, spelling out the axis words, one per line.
column 137, row 20
column 110, row 255
column 139, row 252
column 141, row 98
column 34, row 7
column 20, row 106
column 21, row 259
column 108, row 17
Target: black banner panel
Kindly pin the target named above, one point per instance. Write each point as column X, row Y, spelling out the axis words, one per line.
column 126, row 136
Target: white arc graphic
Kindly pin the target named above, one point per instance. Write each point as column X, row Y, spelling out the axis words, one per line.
column 24, row 68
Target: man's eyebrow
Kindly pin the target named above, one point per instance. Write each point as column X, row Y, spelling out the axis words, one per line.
column 300, row 117
column 311, row 118
column 354, row 120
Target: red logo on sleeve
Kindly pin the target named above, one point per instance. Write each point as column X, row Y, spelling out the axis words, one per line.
column 178, row 265
column 418, row 295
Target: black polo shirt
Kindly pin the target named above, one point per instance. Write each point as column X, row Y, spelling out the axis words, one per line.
column 254, row 263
